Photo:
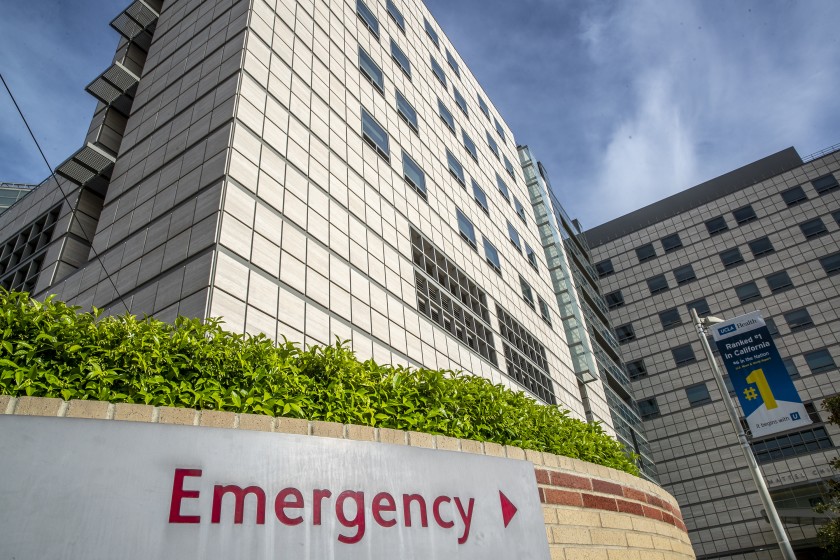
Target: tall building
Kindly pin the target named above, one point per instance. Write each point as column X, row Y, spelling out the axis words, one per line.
column 309, row 170
column 764, row 237
column 11, row 193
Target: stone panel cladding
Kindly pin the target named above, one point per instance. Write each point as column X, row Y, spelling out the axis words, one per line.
column 591, row 512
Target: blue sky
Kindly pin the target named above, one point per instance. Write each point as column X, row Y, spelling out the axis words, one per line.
column 625, row 102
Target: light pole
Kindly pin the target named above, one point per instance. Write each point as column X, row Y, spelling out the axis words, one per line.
column 755, row 471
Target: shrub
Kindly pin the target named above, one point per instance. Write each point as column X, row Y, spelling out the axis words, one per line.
column 50, row 349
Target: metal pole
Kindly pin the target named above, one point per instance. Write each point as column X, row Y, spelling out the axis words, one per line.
column 755, row 471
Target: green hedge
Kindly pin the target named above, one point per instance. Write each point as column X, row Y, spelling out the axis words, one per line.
column 50, row 349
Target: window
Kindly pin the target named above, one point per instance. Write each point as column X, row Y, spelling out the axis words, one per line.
column 460, row 101
column 514, row 237
column 831, row 263
column 492, row 256
column 614, row 299
column 509, row 168
column 836, row 216
column 499, row 130
column 636, row 369
column 744, row 214
column 413, row 175
column 779, row 281
column 400, row 58
column 525, row 357
column 645, row 252
column 520, row 210
column 791, row 444
column 453, row 63
column 371, row 71
column 747, row 292
column 406, row 111
column 367, row 17
column 812, row 228
column 761, row 246
column 469, row 145
column 771, row 326
column 375, row 135
column 532, row 256
column 727, row 382
column 798, row 319
column 483, row 106
column 625, row 333
column 731, row 257
column 480, row 197
column 545, row 313
column 493, row 146
column 825, row 184
column 671, row 242
column 702, row 307
column 502, row 188
column 670, row 318
column 466, row 228
column 527, row 293
column 446, row 116
column 698, row 395
column 604, row 268
column 438, row 72
column 716, row 225
column 657, row 284
column 455, row 168
column 820, row 361
column 648, row 408
column 684, row 274
column 430, row 31
column 683, row 354
column 793, row 196
column 791, row 368
column 396, row 15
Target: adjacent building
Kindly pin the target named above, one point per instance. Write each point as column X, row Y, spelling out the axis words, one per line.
column 11, row 193
column 764, row 237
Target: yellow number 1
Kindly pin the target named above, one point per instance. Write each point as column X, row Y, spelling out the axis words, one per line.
column 757, row 377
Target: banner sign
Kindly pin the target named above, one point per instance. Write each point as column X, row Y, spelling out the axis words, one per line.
column 97, row 489
column 767, row 395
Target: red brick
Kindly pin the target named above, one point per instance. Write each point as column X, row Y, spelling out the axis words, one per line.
column 543, row 477
column 668, row 518
column 606, row 487
column 541, row 492
column 570, row 481
column 630, row 507
column 562, row 497
column 653, row 513
column 599, row 502
column 682, row 526
column 654, row 501
column 634, row 494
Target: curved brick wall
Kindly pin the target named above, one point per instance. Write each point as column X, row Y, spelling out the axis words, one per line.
column 591, row 512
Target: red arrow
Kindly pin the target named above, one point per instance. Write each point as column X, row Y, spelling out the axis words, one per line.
column 508, row 509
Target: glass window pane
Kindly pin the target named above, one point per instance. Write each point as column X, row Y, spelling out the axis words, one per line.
column 396, row 15
column 375, row 135
column 466, row 228
column 798, row 319
column 430, row 31
column 400, row 58
column 469, row 145
column 793, row 196
column 492, row 255
column 748, row 292
column 367, row 17
column 813, row 228
column 414, row 175
column 657, row 284
column 502, row 187
column 520, row 210
column 460, row 101
column 483, row 106
column 670, row 318
column 702, row 307
column 831, row 263
column 604, row 268
column 820, row 361
column 371, row 71
column 683, row 354
column 761, row 246
column 514, row 237
column 614, row 299
column 531, row 255
column 446, row 116
column 648, row 408
column 716, row 225
column 480, row 196
column 645, row 252
column 438, row 71
column 493, row 146
column 698, row 394
column 744, row 214
column 499, row 130
column 636, row 369
column 406, row 111
column 545, row 312
column 509, row 167
column 456, row 168
column 684, row 274
column 731, row 257
column 453, row 63
column 779, row 281
column 671, row 242
column 625, row 333
column 825, row 184
column 527, row 293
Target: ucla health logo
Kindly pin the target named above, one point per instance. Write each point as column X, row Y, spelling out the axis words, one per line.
column 794, row 416
column 727, row 329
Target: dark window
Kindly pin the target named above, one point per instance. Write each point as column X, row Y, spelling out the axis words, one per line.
column 820, row 361
column 453, row 63
column 509, row 168
column 648, row 408
column 493, row 146
column 744, row 214
column 532, row 256
column 657, row 284
column 716, row 225
column 793, row 196
column 836, row 216
column 698, row 394
column 604, row 268
column 375, row 135
column 798, row 319
column 748, row 292
column 825, row 184
column 480, row 197
column 514, row 237
column 702, row 307
column 727, row 382
column 527, row 292
column 502, row 188
column 545, row 313
column 831, row 263
column 525, row 357
column 670, row 318
column 466, row 228
column 430, row 31
column 771, row 326
column 645, row 252
column 499, row 130
column 460, row 101
column 761, row 246
column 492, row 256
column 446, row 116
column 413, row 175
column 520, row 210
column 400, row 58
column 438, row 71
column 367, row 17
column 483, row 106
column 791, row 368
column 684, row 273
column 371, row 71
column 812, row 228
column 614, row 299
column 671, row 242
column 625, row 333
column 779, row 281
column 683, row 354
column 731, row 257
column 802, row 442
column 455, row 168
column 636, row 369
column 406, row 111
column 469, row 145
column 396, row 15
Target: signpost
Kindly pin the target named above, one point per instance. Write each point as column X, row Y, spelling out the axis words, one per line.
column 93, row 489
